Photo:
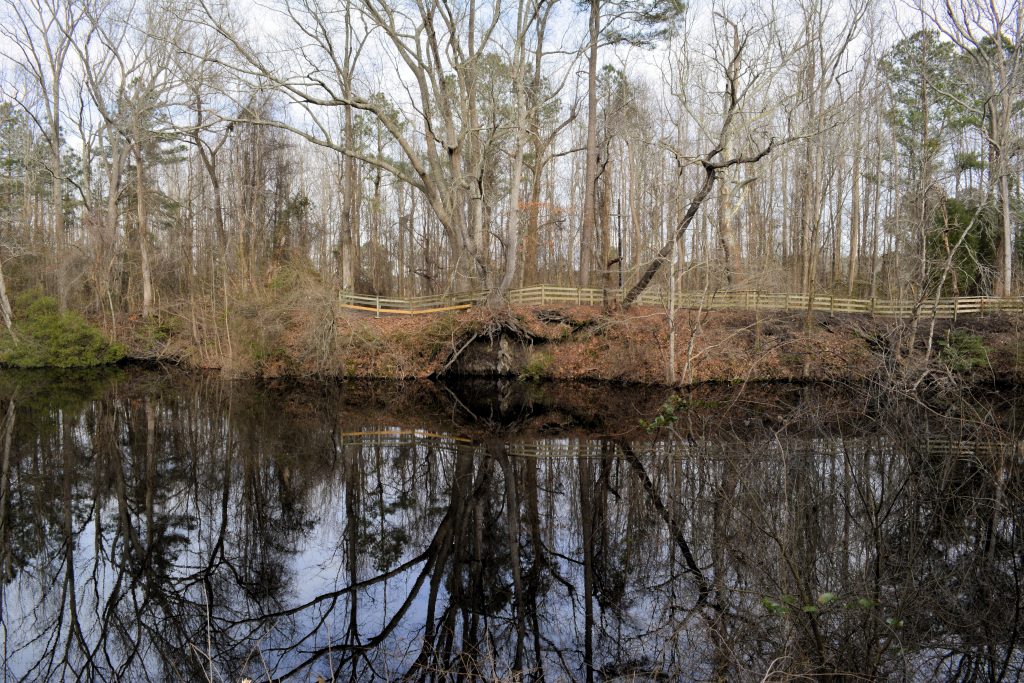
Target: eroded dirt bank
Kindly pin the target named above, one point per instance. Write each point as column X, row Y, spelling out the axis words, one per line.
column 588, row 343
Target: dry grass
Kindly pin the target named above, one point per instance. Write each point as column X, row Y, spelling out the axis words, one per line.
column 294, row 327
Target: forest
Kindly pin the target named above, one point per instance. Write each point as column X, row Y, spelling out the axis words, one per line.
column 174, row 160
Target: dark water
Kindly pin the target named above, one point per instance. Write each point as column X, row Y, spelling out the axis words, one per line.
column 160, row 527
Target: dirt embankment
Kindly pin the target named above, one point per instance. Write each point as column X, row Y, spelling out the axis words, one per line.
column 588, row 343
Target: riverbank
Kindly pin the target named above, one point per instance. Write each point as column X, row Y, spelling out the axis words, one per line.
column 591, row 343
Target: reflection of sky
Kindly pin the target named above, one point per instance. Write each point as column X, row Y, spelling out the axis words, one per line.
column 654, row 622
column 33, row 602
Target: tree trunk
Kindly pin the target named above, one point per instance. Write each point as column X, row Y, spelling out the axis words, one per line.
column 855, row 201
column 726, row 211
column 57, row 189
column 5, row 304
column 589, row 224
column 140, row 198
column 1006, row 242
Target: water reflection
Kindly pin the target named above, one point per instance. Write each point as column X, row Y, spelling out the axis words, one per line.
column 157, row 528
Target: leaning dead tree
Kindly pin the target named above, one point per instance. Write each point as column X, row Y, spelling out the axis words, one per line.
column 712, row 169
column 752, row 53
column 742, row 83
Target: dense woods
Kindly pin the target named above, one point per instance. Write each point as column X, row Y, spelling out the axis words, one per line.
column 175, row 159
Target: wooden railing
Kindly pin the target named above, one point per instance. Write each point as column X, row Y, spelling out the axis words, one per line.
column 541, row 295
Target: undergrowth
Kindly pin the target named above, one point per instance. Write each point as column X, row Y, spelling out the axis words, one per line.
column 963, row 351
column 536, row 367
column 45, row 336
column 287, row 327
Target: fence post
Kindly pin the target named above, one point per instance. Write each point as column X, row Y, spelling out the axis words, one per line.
column 872, row 305
column 542, row 301
column 378, row 306
column 831, row 304
column 579, row 296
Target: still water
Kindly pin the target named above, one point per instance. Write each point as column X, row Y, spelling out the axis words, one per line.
column 155, row 526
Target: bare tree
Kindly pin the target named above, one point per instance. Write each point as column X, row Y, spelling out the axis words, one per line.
column 751, row 59
column 446, row 165
column 128, row 72
column 38, row 37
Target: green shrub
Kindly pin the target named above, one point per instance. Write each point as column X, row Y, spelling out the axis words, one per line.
column 667, row 414
column 536, row 367
column 284, row 280
column 976, row 254
column 153, row 331
column 46, row 337
column 962, row 351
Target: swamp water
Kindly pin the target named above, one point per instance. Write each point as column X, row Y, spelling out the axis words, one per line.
column 155, row 526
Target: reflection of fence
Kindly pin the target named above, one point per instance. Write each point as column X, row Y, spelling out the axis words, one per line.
column 574, row 448
column 395, row 438
column 970, row 448
column 388, row 436
column 540, row 295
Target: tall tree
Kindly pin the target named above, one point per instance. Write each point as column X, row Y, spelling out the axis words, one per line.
column 990, row 36
column 920, row 73
column 38, row 38
column 754, row 93
column 611, row 22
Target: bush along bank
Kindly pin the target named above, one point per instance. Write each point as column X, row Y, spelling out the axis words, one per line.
column 45, row 336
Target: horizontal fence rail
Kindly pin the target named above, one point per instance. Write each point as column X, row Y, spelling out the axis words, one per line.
column 542, row 295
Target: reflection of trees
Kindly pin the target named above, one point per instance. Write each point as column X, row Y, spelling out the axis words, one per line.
column 214, row 531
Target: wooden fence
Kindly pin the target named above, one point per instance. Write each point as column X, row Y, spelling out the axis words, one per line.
column 542, row 295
